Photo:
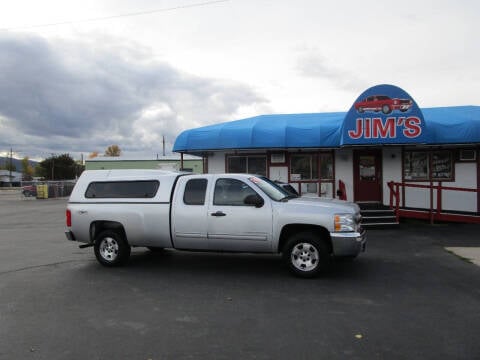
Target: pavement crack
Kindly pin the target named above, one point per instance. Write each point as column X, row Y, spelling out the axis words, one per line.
column 38, row 266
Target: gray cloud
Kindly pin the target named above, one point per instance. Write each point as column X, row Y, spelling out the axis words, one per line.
column 58, row 96
column 314, row 65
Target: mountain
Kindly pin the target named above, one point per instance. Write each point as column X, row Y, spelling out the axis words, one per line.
column 16, row 162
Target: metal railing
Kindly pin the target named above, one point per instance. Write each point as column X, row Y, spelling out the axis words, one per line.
column 434, row 211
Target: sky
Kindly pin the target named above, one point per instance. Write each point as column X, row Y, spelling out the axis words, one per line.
column 76, row 77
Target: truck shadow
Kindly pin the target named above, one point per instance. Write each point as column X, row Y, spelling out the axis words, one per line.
column 228, row 264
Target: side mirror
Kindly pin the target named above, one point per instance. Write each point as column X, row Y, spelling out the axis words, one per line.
column 254, row 200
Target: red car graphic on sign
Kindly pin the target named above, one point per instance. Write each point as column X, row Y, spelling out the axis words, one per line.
column 382, row 103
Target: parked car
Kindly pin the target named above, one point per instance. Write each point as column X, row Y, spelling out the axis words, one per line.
column 116, row 209
column 383, row 103
column 289, row 188
column 29, row 190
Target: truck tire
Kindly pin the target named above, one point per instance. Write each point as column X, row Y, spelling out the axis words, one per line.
column 111, row 248
column 306, row 254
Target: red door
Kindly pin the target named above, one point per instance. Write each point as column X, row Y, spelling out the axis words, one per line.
column 367, row 175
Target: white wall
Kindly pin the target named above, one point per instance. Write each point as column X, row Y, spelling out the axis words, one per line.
column 216, row 163
column 391, row 169
column 418, row 197
column 344, row 170
column 465, row 177
column 278, row 173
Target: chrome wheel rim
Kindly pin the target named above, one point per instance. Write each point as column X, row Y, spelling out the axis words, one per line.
column 304, row 257
column 109, row 249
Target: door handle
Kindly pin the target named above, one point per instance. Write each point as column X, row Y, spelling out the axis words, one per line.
column 218, row 213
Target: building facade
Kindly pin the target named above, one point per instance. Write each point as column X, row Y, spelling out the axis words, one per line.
column 384, row 150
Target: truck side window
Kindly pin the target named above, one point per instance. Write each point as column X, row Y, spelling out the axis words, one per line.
column 231, row 192
column 195, row 191
column 122, row 189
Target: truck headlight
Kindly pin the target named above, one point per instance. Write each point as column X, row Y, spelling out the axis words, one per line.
column 344, row 222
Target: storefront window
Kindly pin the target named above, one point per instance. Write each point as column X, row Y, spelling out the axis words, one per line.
column 313, row 172
column 304, row 167
column 326, row 166
column 237, row 164
column 417, row 165
column 249, row 164
column 257, row 165
column 442, row 165
column 309, row 188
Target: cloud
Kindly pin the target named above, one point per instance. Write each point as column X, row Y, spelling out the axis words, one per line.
column 81, row 96
column 312, row 64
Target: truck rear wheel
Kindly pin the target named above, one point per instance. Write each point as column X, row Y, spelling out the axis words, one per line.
column 306, row 254
column 111, row 248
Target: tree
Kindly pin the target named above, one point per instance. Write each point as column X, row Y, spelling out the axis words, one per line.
column 8, row 166
column 39, row 171
column 27, row 169
column 59, row 167
column 93, row 155
column 113, row 150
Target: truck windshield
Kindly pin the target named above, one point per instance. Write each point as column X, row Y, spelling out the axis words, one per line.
column 274, row 191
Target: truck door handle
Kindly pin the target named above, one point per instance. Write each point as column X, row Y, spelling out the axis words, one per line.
column 218, row 213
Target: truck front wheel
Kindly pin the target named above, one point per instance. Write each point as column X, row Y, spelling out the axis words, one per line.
column 111, row 248
column 306, row 254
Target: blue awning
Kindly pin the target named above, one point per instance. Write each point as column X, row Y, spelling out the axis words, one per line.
column 443, row 125
column 453, row 125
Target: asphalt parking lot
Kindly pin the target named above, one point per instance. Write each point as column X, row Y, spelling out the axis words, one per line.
column 405, row 298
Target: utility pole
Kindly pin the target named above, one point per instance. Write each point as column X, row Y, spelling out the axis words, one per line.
column 53, row 165
column 163, row 141
column 10, row 167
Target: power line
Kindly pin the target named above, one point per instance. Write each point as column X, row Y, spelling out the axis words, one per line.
column 139, row 13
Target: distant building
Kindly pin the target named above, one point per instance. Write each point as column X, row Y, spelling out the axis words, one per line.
column 171, row 162
column 8, row 178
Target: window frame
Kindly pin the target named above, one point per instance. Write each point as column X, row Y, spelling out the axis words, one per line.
column 325, row 186
column 204, row 192
column 228, row 157
column 214, row 200
column 451, row 176
column 313, row 162
column 432, row 168
column 126, row 196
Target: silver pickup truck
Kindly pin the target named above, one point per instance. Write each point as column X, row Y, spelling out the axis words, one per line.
column 114, row 210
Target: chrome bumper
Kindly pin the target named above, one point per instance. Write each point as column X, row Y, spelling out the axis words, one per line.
column 348, row 243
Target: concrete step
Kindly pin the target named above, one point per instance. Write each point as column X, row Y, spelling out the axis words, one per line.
column 377, row 215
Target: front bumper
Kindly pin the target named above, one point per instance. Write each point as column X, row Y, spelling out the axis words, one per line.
column 348, row 243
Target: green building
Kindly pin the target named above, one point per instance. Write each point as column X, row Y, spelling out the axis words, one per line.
column 170, row 162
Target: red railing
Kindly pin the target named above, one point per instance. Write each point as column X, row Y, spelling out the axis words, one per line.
column 342, row 191
column 433, row 212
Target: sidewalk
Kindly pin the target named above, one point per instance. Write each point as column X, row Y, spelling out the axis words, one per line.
column 472, row 254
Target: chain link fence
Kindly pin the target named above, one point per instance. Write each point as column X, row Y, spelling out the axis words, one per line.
column 47, row 189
